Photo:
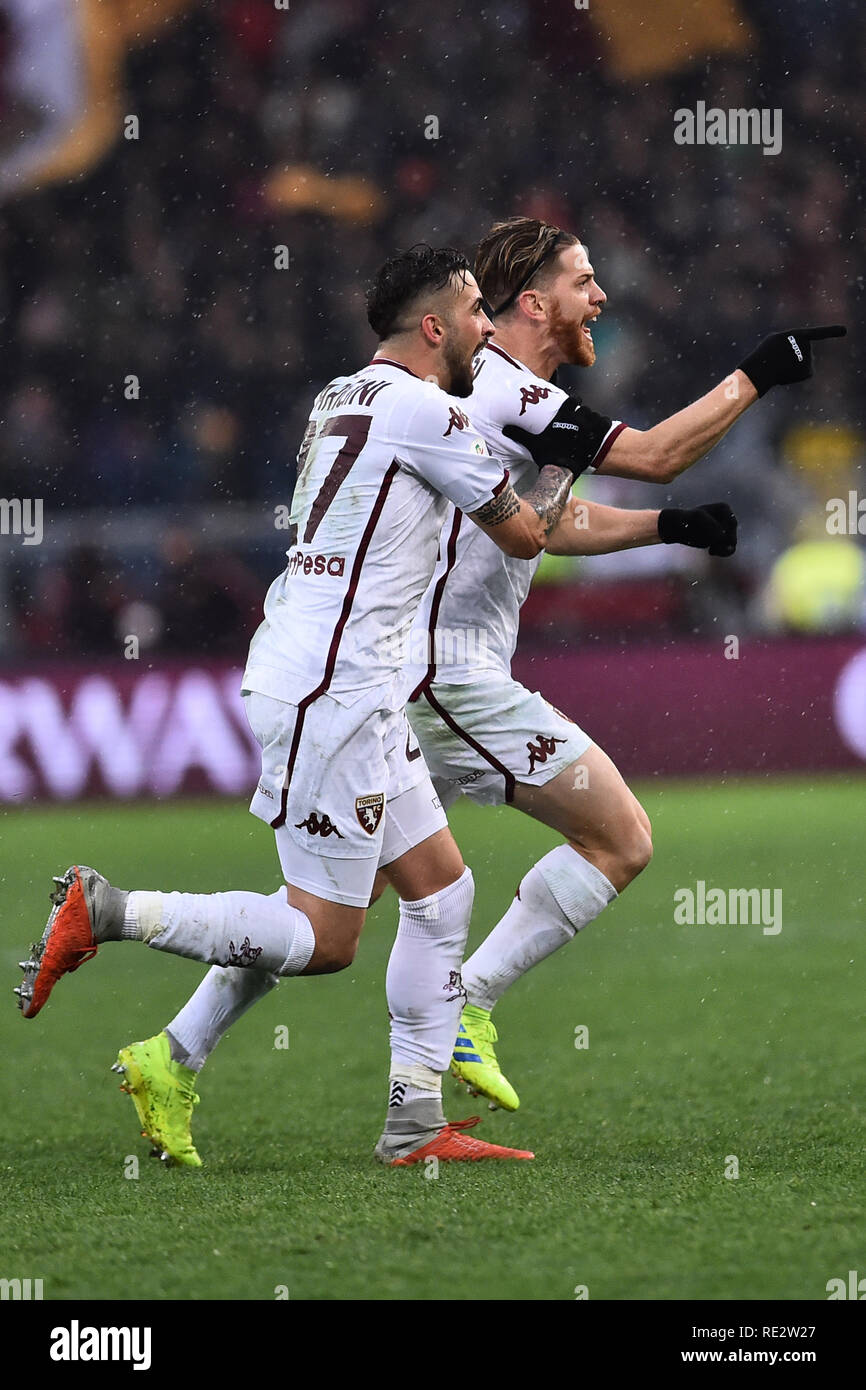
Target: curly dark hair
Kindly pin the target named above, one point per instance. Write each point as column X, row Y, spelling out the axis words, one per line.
column 407, row 275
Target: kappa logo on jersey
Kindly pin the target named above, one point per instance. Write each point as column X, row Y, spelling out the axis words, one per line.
column 541, row 750
column 369, row 810
column 531, row 395
column 412, row 753
column 456, row 421
column 455, row 987
column 319, row 825
column 317, row 564
column 245, row 954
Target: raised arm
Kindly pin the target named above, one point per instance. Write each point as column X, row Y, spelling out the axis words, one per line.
column 660, row 454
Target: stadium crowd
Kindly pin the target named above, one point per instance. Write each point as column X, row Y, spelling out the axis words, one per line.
column 156, row 355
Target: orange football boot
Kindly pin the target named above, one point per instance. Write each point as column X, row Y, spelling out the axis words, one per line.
column 450, row 1146
column 67, row 941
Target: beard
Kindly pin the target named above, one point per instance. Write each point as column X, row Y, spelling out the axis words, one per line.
column 576, row 349
column 460, row 372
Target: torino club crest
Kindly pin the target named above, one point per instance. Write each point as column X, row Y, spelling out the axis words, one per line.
column 369, row 810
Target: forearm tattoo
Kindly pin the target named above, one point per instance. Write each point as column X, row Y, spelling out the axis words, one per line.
column 502, row 508
column 550, row 494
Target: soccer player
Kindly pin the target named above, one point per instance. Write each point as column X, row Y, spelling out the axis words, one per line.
column 226, row 993
column 343, row 782
column 483, row 734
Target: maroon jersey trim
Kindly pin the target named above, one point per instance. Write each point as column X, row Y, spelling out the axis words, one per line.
column 389, row 362
column 510, row 780
column 337, row 636
column 493, row 347
column 602, row 453
column 451, row 554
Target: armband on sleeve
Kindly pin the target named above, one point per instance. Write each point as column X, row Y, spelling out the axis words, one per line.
column 572, row 439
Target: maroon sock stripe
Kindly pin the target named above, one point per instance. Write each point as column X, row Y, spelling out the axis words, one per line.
column 455, row 728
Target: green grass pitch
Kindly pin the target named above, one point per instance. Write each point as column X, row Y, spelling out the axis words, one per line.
column 705, row 1042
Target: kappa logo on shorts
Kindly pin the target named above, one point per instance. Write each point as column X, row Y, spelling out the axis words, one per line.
column 319, row 825
column 369, row 810
column 541, row 750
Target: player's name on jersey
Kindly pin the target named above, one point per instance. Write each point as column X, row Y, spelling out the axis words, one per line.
column 356, row 393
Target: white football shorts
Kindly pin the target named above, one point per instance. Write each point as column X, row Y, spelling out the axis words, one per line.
column 482, row 739
column 344, row 786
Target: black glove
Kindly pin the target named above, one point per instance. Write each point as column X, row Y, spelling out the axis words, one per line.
column 786, row 357
column 544, row 448
column 712, row 527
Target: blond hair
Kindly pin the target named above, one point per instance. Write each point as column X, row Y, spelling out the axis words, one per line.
column 512, row 253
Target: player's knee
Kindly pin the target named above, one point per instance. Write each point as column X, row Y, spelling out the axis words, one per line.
column 335, row 958
column 643, row 820
column 636, row 849
column 334, row 952
column 379, row 885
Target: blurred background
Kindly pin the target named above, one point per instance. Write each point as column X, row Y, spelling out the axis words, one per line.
column 192, row 198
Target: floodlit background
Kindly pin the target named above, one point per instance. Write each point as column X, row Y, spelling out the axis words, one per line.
column 192, row 198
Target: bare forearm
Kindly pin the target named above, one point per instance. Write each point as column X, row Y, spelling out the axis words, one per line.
column 660, row 454
column 588, row 528
column 521, row 526
column 550, row 496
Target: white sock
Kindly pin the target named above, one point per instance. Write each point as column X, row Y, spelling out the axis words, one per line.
column 407, row 1083
column 223, row 997
column 558, row 896
column 240, row 929
column 423, row 985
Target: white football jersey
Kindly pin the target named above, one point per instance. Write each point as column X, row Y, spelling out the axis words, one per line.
column 469, row 617
column 384, row 456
